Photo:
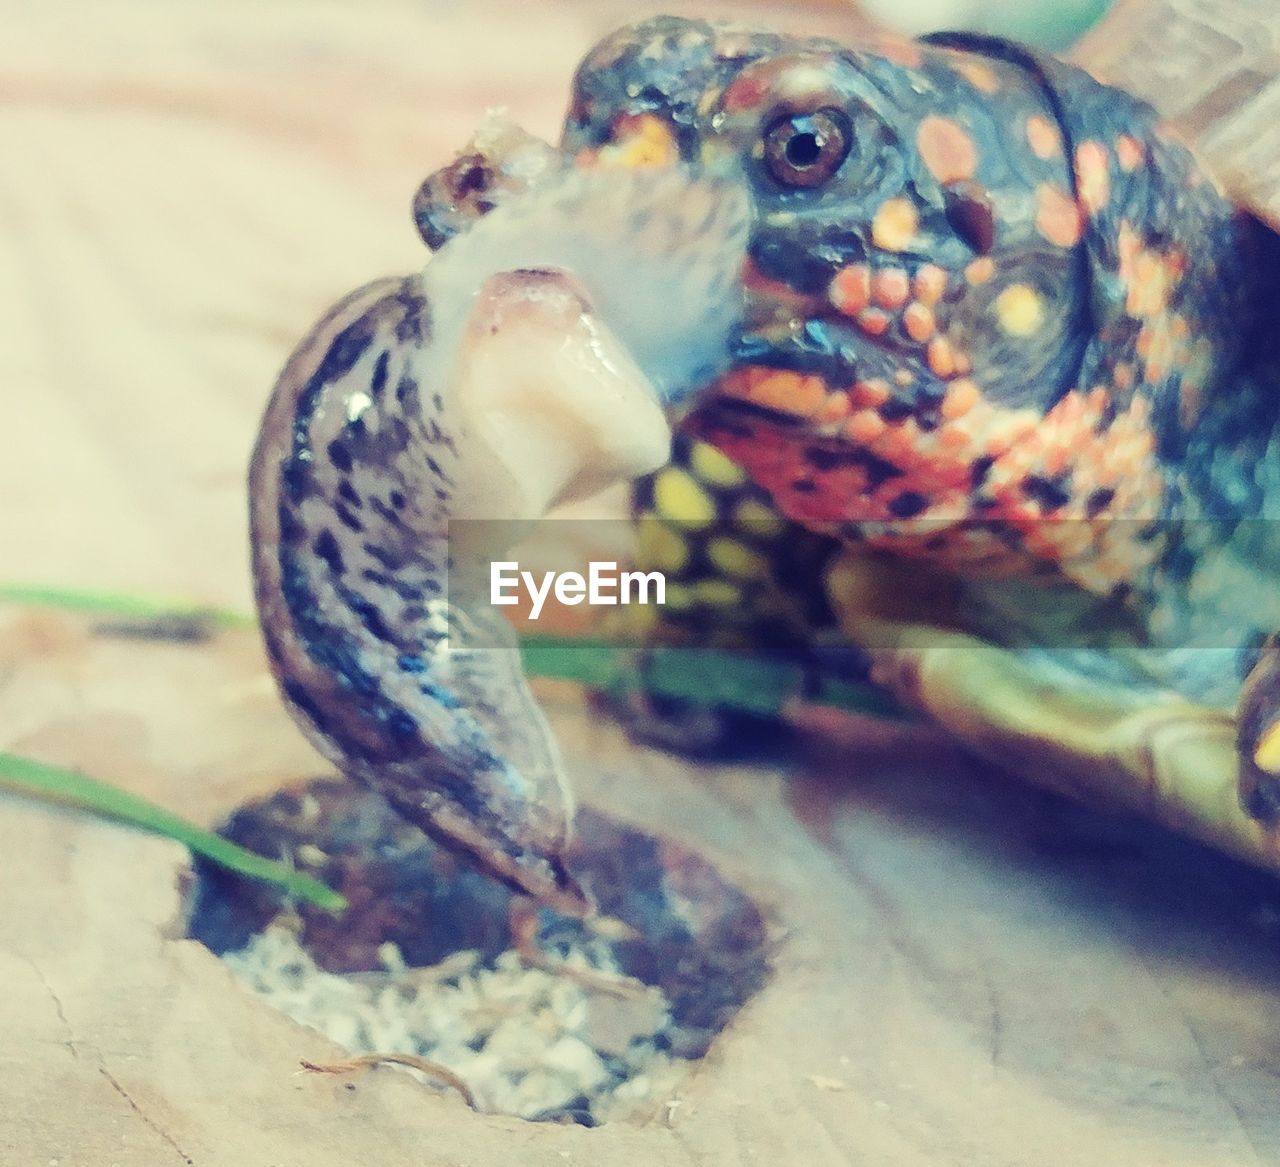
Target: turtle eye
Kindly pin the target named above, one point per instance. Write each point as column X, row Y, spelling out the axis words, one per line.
column 804, row 150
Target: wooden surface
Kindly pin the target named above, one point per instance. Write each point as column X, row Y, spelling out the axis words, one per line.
column 969, row 973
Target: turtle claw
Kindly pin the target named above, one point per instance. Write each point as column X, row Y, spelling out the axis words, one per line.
column 1258, row 736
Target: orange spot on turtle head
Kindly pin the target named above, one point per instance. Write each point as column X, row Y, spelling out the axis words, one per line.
column 746, row 92
column 835, row 408
column 929, row 283
column 788, row 392
column 1058, row 216
column 1043, row 137
column 961, row 397
column 977, row 72
column 980, row 270
column 639, row 141
column 850, row 289
column 947, row 149
column 874, row 321
column 1149, row 284
column 865, row 427
column 918, row 321
column 1093, row 175
column 899, row 50
column 1130, row 153
column 941, row 358
column 871, row 393
column 890, row 287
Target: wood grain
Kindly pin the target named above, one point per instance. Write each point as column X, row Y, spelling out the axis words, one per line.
column 968, row 972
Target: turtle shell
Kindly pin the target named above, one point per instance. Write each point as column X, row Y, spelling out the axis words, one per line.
column 1212, row 68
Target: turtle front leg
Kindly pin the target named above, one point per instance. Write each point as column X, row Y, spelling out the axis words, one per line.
column 739, row 577
column 1158, row 755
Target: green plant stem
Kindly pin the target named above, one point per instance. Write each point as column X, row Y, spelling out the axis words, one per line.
column 122, row 605
column 748, row 682
column 53, row 782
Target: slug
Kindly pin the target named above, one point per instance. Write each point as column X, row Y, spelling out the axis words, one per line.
column 424, row 423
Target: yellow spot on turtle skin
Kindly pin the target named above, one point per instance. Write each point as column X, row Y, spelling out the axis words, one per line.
column 641, row 621
column 756, row 519
column 679, row 498
column 894, row 225
column 679, row 597
column 1020, row 310
column 736, row 559
column 658, row 546
column 711, row 465
column 1267, row 755
column 640, row 141
column 715, row 593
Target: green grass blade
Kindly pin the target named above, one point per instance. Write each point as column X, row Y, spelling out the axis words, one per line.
column 749, row 682
column 52, row 782
column 120, row 604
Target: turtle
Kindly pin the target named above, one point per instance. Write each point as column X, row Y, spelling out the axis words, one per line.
column 994, row 399
column 1146, row 689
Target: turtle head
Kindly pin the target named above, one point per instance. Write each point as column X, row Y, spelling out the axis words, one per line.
column 915, row 219
column 979, row 284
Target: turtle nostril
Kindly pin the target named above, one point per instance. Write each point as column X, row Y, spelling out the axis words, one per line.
column 969, row 214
